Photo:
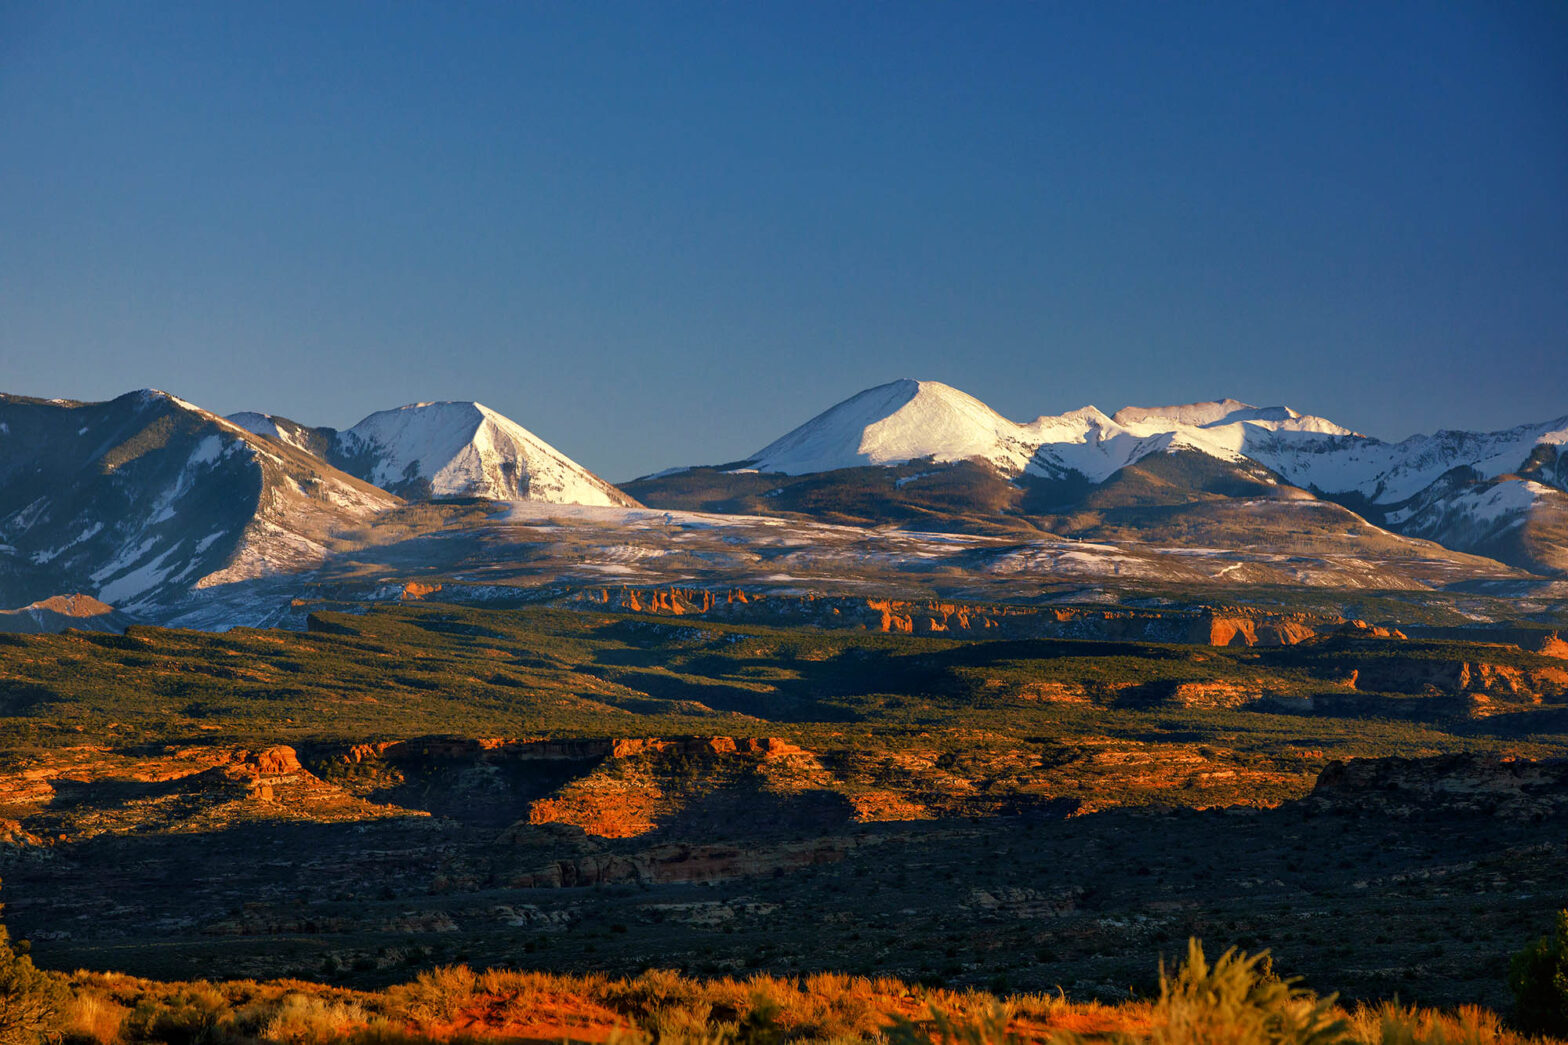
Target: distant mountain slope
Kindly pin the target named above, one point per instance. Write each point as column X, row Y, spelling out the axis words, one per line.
column 453, row 449
column 144, row 497
column 1438, row 487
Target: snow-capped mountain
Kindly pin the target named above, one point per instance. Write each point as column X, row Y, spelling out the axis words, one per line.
column 910, row 420
column 897, row 422
column 426, row 450
column 145, row 497
column 1424, row 486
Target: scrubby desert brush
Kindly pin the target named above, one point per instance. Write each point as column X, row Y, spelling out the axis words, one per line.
column 1238, row 999
column 436, row 995
column 993, row 1027
column 91, row 1018
column 1233, row 1000
column 302, row 1019
column 1395, row 1024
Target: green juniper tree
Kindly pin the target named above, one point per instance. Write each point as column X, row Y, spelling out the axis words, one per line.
column 1538, row 976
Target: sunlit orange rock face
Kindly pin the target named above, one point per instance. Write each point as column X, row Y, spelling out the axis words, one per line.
column 418, row 589
column 1553, row 646
column 1224, row 626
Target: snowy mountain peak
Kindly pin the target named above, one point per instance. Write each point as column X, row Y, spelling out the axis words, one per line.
column 465, row 449
column 908, row 420
column 900, row 421
column 445, row 449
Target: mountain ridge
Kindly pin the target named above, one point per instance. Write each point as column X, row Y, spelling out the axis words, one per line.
column 146, row 494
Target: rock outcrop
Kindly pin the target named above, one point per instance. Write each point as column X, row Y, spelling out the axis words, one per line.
column 59, row 612
column 1522, row 684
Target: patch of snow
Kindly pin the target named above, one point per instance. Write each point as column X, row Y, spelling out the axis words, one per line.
column 1510, row 499
column 207, row 451
column 124, row 588
column 45, row 557
column 31, row 513
column 256, row 424
column 127, row 556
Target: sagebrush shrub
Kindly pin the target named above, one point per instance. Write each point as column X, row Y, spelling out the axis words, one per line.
column 301, row 1019
column 1239, row 1001
column 438, row 994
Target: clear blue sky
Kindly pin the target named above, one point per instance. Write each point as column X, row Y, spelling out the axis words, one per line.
column 660, row 234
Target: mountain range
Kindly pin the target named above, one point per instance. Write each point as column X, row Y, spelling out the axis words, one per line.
column 1084, row 473
column 146, row 500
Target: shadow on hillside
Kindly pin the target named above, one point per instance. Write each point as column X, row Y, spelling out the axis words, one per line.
column 1427, row 906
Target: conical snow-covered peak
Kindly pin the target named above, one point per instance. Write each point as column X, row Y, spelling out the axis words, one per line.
column 900, row 421
column 461, row 449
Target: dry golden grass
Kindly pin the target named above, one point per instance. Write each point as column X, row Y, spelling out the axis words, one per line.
column 91, row 1016
column 1222, row 1003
